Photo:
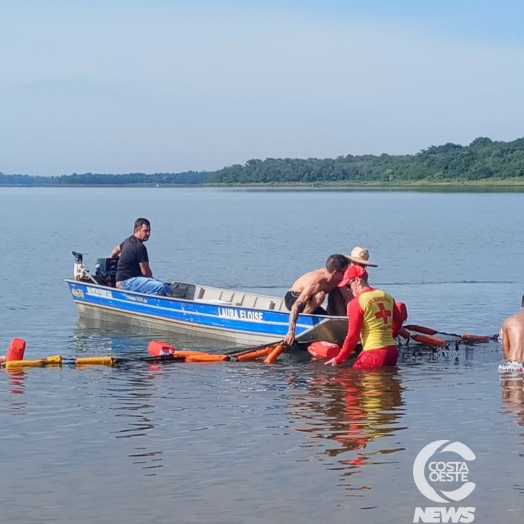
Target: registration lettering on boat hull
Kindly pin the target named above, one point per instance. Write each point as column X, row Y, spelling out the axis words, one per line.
column 96, row 292
column 253, row 316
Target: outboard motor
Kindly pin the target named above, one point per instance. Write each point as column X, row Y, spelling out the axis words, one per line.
column 105, row 270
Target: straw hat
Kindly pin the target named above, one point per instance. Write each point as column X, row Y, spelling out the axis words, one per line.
column 360, row 255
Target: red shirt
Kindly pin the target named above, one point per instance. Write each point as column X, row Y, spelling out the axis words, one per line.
column 374, row 319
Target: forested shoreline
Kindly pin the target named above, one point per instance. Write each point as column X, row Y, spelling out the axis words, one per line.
column 483, row 161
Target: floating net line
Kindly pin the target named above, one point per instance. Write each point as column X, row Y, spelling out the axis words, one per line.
column 420, row 346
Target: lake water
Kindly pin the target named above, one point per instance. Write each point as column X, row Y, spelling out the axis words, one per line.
column 248, row 443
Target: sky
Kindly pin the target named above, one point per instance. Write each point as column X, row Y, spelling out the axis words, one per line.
column 120, row 86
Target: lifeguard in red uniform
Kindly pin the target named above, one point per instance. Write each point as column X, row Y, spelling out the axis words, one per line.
column 374, row 319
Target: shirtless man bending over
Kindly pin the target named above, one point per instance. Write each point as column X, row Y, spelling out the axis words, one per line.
column 308, row 292
column 512, row 334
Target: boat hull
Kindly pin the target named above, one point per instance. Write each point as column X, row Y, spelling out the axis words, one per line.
column 223, row 321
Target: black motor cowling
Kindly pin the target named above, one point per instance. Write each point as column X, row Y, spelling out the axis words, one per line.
column 105, row 271
column 106, row 266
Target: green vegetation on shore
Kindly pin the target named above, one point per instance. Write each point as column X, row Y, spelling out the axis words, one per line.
column 483, row 162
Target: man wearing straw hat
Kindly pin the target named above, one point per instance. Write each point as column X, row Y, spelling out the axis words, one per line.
column 338, row 300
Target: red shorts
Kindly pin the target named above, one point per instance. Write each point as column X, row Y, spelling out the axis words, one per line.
column 374, row 358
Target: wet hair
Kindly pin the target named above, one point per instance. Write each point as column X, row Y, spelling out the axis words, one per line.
column 337, row 263
column 522, row 303
column 139, row 222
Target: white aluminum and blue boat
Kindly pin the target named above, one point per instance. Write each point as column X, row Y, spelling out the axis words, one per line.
column 235, row 316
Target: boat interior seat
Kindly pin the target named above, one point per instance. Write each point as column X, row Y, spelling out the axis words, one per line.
column 185, row 291
column 213, row 295
column 238, row 298
column 227, row 296
column 279, row 304
column 249, row 300
column 264, row 303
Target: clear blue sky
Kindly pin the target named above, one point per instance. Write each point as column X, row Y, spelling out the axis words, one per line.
column 119, row 86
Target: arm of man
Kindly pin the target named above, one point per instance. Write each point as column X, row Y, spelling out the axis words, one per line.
column 146, row 270
column 143, row 261
column 355, row 321
column 297, row 308
column 116, row 251
column 398, row 319
column 505, row 340
column 346, row 293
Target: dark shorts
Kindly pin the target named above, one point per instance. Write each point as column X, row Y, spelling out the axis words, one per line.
column 374, row 358
column 291, row 298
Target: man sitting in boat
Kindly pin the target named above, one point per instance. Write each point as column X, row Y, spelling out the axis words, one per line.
column 512, row 338
column 308, row 292
column 374, row 319
column 133, row 272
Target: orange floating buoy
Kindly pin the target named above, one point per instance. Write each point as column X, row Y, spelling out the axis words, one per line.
column 157, row 348
column 476, row 338
column 323, row 349
column 404, row 333
column 16, row 350
column 253, row 355
column 430, row 341
column 184, row 353
column 421, row 329
column 206, row 357
column 277, row 351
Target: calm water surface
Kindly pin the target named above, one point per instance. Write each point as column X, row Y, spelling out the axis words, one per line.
column 248, row 443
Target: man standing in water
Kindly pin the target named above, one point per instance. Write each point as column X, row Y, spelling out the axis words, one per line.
column 512, row 335
column 308, row 292
column 373, row 318
column 133, row 272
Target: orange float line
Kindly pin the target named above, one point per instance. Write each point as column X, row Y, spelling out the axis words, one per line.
column 476, row 338
column 207, row 357
column 421, row 329
column 430, row 341
column 253, row 355
column 184, row 353
column 275, row 353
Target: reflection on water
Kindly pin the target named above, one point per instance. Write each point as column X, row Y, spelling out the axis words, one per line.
column 352, row 410
column 16, row 387
column 133, row 405
column 96, row 336
column 513, row 396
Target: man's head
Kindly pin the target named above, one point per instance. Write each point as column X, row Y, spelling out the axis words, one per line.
column 337, row 264
column 522, row 302
column 142, row 229
column 360, row 255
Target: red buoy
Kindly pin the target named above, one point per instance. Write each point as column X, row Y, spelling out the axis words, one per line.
column 157, row 348
column 16, row 350
column 323, row 349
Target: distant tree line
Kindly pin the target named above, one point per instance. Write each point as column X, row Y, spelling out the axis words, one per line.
column 96, row 179
column 483, row 159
